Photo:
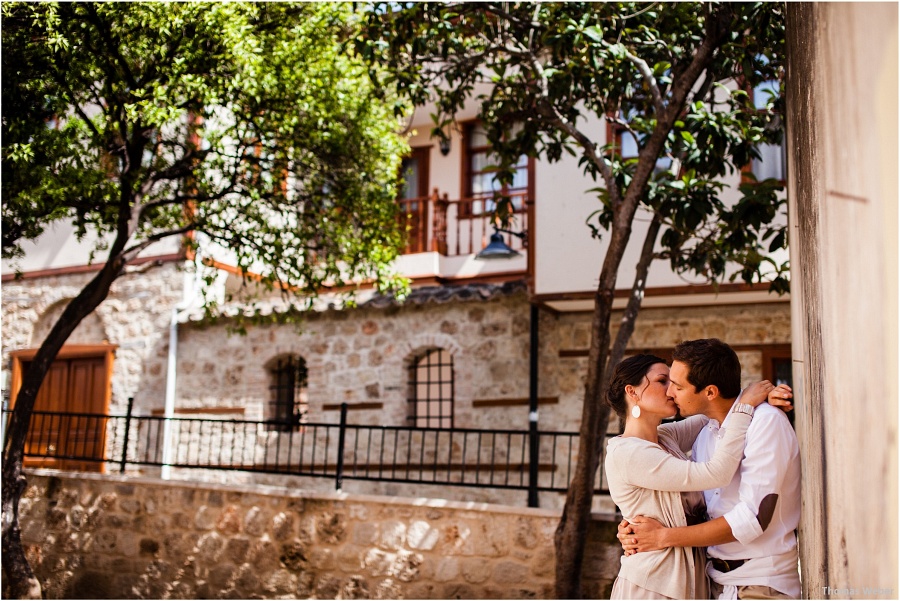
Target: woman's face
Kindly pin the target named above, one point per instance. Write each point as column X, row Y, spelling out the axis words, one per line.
column 651, row 393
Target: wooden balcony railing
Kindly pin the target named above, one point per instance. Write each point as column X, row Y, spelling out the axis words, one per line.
column 457, row 227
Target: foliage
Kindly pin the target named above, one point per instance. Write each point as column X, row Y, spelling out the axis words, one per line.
column 246, row 128
column 541, row 72
column 675, row 76
column 245, row 124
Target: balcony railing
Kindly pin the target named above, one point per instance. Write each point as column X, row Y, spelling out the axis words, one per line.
column 499, row 459
column 457, row 227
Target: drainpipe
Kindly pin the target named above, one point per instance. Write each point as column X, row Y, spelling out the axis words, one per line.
column 187, row 300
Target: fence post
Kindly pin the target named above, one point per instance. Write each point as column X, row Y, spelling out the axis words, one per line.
column 339, row 477
column 533, row 436
column 127, row 431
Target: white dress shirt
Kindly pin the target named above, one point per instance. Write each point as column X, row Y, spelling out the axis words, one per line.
column 771, row 465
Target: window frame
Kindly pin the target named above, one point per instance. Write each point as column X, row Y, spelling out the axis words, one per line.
column 466, row 209
column 279, row 417
column 747, row 174
column 414, row 402
column 614, row 133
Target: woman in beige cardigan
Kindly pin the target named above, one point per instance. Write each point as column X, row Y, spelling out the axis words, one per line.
column 649, row 474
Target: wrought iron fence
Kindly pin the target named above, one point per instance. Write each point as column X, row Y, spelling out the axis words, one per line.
column 499, row 459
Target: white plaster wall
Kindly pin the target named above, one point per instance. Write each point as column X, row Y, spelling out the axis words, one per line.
column 843, row 109
column 58, row 247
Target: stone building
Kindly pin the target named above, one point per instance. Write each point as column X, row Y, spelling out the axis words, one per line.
column 217, row 416
column 843, row 192
column 456, row 353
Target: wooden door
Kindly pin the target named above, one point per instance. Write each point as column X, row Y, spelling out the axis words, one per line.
column 414, row 199
column 79, row 387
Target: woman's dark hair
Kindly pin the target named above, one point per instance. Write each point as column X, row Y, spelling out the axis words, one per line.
column 710, row 361
column 632, row 371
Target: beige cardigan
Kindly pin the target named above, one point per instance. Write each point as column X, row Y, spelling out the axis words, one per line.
column 645, row 479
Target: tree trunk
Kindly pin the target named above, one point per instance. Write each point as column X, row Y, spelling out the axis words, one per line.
column 19, row 580
column 571, row 534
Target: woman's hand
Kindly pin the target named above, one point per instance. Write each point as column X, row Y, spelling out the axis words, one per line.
column 781, row 396
column 756, row 394
column 641, row 535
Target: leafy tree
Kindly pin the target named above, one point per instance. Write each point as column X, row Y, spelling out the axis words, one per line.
column 251, row 126
column 675, row 76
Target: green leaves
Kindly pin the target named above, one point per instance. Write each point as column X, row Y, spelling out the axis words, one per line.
column 553, row 67
column 255, row 117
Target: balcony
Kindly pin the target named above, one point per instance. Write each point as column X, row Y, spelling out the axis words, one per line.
column 458, row 227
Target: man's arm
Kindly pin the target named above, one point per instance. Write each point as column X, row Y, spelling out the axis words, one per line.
column 646, row 534
column 767, row 458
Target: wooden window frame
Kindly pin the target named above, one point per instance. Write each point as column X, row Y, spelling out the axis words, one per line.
column 465, row 210
column 780, row 351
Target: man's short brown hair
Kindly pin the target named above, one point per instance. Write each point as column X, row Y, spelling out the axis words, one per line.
column 710, row 361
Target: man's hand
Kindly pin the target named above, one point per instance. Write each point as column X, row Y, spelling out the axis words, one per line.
column 782, row 397
column 641, row 535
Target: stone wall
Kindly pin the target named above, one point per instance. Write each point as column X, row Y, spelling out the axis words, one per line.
column 361, row 356
column 135, row 317
column 100, row 536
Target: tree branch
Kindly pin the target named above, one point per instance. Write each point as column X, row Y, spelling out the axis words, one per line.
column 107, row 35
column 642, row 269
column 132, row 252
column 647, row 74
column 590, row 149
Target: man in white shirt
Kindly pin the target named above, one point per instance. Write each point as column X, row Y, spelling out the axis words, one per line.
column 752, row 547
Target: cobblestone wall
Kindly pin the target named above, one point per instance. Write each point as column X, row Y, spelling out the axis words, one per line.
column 100, row 536
column 135, row 317
column 361, row 356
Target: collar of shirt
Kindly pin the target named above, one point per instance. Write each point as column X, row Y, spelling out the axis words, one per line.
column 714, row 425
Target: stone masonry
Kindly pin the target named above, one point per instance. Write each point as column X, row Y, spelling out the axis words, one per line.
column 100, row 536
column 361, row 356
column 135, row 317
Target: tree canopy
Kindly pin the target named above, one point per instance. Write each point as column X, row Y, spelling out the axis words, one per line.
column 247, row 123
column 540, row 72
column 677, row 77
column 251, row 128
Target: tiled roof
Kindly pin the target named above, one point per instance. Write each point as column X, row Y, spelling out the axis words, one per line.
column 371, row 299
column 448, row 293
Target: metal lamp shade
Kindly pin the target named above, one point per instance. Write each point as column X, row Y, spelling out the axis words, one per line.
column 496, row 249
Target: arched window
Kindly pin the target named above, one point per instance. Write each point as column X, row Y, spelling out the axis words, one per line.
column 287, row 392
column 431, row 390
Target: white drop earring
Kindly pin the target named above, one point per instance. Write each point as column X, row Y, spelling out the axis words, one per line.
column 636, row 412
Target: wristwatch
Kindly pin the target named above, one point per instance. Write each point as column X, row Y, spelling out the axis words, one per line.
column 744, row 408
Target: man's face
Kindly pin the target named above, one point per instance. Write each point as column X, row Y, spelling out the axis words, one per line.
column 689, row 400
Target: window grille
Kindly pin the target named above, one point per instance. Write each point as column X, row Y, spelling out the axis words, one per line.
column 288, row 396
column 431, row 390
